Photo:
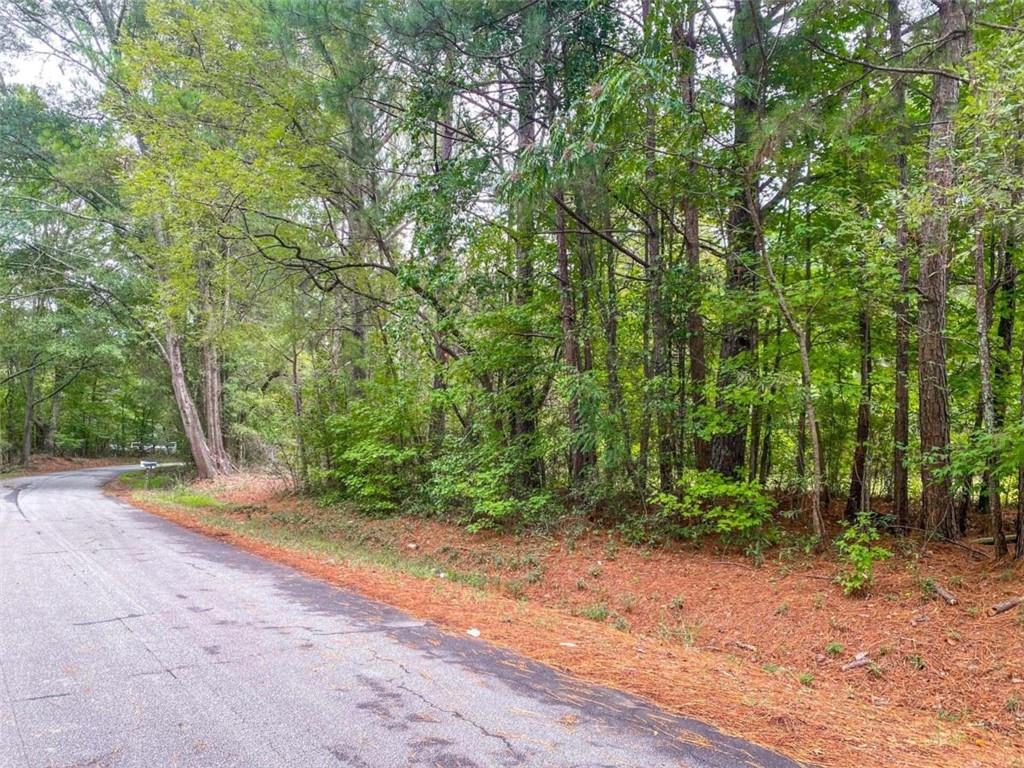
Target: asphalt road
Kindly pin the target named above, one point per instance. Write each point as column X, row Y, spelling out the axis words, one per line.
column 128, row 641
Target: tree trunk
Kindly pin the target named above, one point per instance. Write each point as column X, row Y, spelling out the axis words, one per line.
column 728, row 448
column 206, row 467
column 28, row 425
column 616, row 400
column 857, row 498
column 686, row 35
column 524, row 419
column 300, row 440
column 933, row 282
column 802, row 337
column 442, row 159
column 901, row 409
column 212, row 408
column 1018, row 552
column 988, row 415
column 657, row 381
column 570, row 347
column 50, row 439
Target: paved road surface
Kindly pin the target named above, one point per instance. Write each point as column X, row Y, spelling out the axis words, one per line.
column 128, row 641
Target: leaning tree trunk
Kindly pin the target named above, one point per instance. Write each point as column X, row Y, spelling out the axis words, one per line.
column 800, row 330
column 206, row 467
column 933, row 281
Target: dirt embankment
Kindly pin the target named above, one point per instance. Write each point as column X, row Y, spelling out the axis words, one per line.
column 776, row 653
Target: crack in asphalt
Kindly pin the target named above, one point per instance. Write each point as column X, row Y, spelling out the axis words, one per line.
column 458, row 716
column 108, row 621
column 46, row 696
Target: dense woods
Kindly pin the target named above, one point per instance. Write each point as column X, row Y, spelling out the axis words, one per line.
column 689, row 266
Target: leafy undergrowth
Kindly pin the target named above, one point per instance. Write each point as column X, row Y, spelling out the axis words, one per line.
column 759, row 652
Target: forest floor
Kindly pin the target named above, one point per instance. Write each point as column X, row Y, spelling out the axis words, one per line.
column 760, row 652
column 42, row 464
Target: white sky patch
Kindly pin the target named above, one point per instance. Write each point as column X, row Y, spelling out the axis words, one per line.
column 38, row 69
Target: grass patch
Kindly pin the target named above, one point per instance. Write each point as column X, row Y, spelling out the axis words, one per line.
column 337, row 532
column 160, row 478
column 185, row 497
column 595, row 612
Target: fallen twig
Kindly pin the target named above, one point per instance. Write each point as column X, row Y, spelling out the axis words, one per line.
column 860, row 660
column 944, row 593
column 1004, row 606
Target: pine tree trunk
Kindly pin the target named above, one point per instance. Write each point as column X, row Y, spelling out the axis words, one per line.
column 524, row 419
column 728, row 448
column 901, row 405
column 933, row 282
column 657, row 383
column 442, row 159
column 570, row 347
column 686, row 41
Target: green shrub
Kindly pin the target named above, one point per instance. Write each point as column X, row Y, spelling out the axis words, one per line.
column 375, row 457
column 739, row 512
column 858, row 554
column 481, row 486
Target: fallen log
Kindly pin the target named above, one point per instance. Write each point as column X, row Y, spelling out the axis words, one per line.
column 1005, row 606
column 991, row 539
column 944, row 593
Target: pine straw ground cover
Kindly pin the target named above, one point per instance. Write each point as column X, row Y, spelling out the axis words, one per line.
column 758, row 652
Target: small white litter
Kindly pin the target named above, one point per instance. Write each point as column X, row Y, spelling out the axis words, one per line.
column 473, row 632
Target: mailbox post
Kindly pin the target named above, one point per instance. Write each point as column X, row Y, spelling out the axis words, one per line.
column 149, row 466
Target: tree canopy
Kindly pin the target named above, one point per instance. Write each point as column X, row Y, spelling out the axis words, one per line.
column 683, row 264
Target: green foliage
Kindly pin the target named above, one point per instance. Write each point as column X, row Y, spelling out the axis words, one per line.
column 595, row 612
column 481, row 487
column 858, row 554
column 739, row 512
column 375, row 462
